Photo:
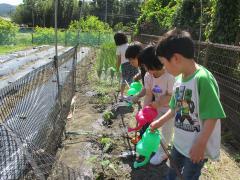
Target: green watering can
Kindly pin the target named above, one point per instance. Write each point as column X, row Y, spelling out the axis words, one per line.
column 136, row 85
column 132, row 92
column 135, row 88
column 149, row 143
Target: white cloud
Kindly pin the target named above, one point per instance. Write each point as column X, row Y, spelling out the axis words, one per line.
column 12, row 2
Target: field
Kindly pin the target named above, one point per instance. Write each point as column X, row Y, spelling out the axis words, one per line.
column 95, row 149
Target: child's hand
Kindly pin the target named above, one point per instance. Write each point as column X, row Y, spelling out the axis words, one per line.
column 154, row 125
column 197, row 151
column 135, row 78
column 154, row 105
column 135, row 99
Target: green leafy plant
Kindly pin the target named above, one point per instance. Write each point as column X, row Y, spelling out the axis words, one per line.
column 106, row 58
column 105, row 140
column 108, row 115
column 105, row 163
column 156, row 16
column 91, row 23
column 107, row 144
column 225, row 22
column 8, row 31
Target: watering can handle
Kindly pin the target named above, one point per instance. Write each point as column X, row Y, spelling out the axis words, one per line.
column 154, row 131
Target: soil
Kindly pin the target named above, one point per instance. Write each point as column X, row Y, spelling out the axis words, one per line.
column 83, row 147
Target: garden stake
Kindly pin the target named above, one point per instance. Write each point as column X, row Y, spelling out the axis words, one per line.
column 127, row 84
column 139, row 108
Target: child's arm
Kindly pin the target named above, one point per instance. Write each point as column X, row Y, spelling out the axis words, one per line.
column 118, row 62
column 148, row 97
column 137, row 77
column 136, row 98
column 164, row 100
column 164, row 118
column 197, row 151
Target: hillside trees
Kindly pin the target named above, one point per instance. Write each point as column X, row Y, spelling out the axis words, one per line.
column 41, row 12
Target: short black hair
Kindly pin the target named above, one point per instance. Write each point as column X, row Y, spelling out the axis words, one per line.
column 148, row 58
column 175, row 41
column 120, row 38
column 133, row 50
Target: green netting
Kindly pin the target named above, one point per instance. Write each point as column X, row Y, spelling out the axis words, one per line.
column 26, row 36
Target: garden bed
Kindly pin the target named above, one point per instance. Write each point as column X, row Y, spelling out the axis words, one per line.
column 96, row 150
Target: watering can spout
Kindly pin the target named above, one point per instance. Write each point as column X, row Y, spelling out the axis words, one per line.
column 140, row 164
column 134, row 129
column 147, row 145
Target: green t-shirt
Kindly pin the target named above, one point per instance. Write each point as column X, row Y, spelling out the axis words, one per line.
column 209, row 103
column 194, row 100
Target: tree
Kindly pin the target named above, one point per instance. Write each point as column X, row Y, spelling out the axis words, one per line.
column 156, row 16
column 188, row 16
column 224, row 26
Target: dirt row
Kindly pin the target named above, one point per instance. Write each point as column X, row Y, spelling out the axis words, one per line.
column 96, row 150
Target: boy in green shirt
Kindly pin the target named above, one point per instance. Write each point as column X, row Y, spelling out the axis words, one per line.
column 195, row 105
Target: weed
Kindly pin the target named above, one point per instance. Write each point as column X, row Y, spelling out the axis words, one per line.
column 105, row 140
column 237, row 157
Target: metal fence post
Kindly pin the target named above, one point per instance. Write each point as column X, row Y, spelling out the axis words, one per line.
column 65, row 42
column 98, row 37
column 32, row 37
column 58, row 81
column 78, row 36
column 74, row 68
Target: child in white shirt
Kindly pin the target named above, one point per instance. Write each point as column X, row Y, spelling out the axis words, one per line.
column 158, row 85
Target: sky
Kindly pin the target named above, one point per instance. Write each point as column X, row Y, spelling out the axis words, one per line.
column 12, row 2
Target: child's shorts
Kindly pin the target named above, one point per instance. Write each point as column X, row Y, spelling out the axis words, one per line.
column 128, row 72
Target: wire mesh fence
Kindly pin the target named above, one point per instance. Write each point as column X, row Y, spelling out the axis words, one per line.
column 224, row 62
column 34, row 108
column 33, row 111
column 39, row 36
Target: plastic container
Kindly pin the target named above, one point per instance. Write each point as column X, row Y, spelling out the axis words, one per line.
column 144, row 116
column 136, row 85
column 132, row 92
column 147, row 145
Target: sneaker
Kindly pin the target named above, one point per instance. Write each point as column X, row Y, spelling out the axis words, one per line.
column 158, row 158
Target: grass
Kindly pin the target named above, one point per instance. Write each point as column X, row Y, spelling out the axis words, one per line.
column 11, row 48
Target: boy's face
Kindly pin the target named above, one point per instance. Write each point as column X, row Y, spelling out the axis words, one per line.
column 171, row 65
column 133, row 62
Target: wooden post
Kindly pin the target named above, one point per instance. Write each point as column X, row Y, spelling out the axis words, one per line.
column 205, row 61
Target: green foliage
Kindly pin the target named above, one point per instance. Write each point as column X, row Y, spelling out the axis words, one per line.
column 108, row 115
column 224, row 26
column 8, row 32
column 91, row 23
column 219, row 21
column 105, row 140
column 40, row 12
column 125, row 28
column 188, row 16
column 105, row 163
column 44, row 35
column 47, row 36
column 106, row 57
column 9, row 49
column 156, row 16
